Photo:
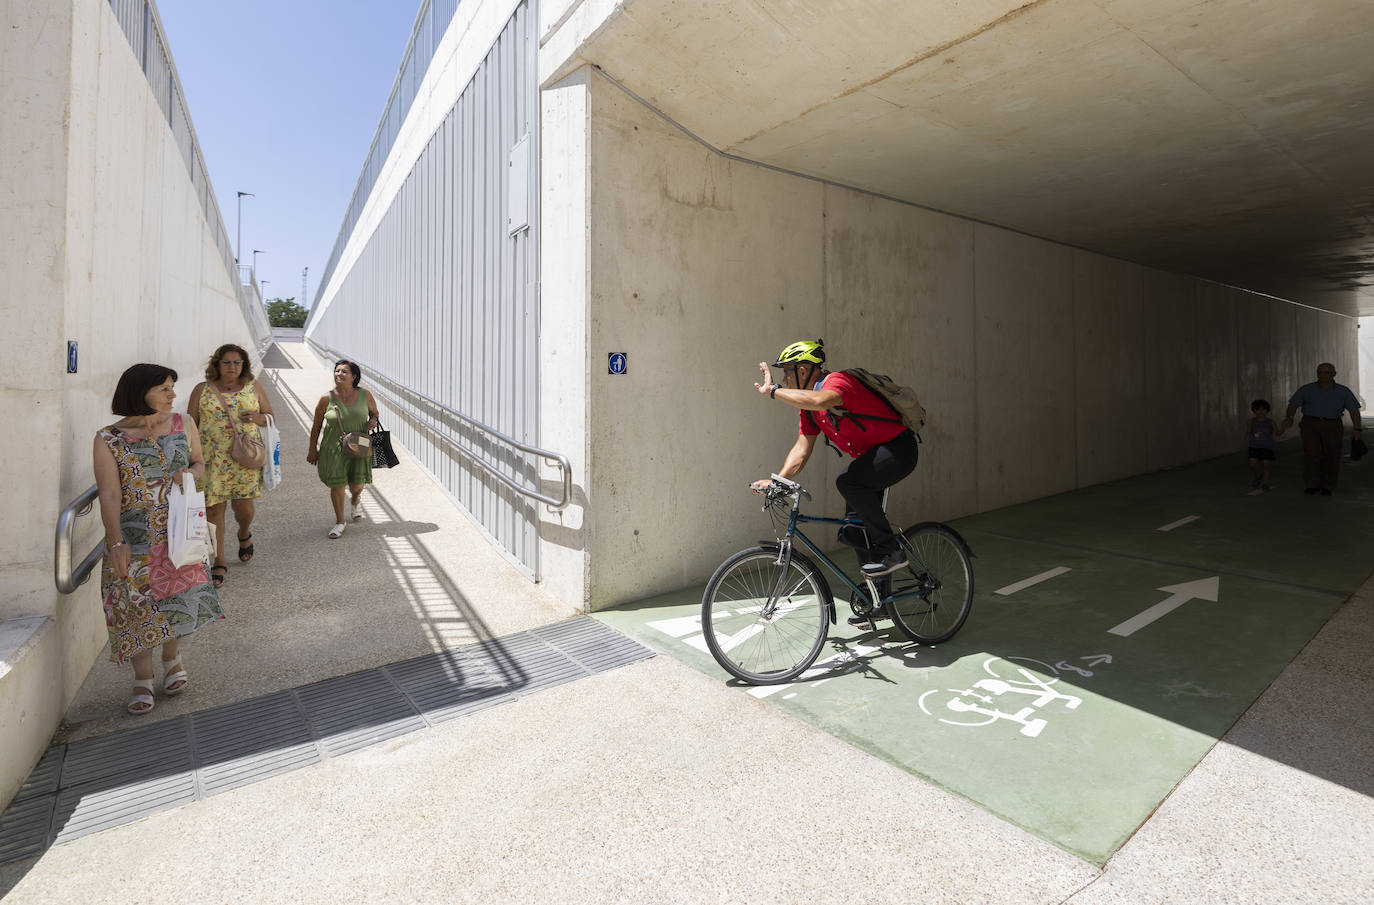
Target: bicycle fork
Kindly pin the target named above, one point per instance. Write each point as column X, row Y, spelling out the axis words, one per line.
column 784, row 561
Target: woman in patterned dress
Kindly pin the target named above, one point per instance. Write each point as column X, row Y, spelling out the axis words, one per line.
column 147, row 600
column 229, row 399
column 341, row 411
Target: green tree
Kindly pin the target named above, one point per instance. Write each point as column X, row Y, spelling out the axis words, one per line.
column 285, row 313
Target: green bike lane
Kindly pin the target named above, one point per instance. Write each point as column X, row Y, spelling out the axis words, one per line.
column 1096, row 669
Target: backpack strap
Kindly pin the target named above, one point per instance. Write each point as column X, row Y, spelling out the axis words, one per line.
column 812, row 415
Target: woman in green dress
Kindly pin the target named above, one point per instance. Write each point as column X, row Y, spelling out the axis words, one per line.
column 148, row 601
column 347, row 408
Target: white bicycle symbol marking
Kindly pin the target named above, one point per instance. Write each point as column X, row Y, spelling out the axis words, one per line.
column 980, row 700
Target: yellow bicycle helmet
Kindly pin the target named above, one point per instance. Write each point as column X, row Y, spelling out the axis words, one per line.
column 802, row 350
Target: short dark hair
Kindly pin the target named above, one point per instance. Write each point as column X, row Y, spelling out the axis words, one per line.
column 1261, row 403
column 352, row 366
column 130, row 395
column 212, row 369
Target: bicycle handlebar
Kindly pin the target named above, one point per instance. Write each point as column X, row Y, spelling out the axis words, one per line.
column 783, row 487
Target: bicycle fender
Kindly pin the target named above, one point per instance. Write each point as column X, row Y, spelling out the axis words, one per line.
column 802, row 558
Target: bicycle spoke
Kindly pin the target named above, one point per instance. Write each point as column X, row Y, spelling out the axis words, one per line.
column 754, row 635
column 941, row 592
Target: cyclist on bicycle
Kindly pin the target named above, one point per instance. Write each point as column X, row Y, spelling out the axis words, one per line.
column 857, row 421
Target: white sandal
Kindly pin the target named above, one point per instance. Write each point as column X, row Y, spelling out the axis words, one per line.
column 174, row 673
column 135, row 703
column 355, row 510
column 337, row 530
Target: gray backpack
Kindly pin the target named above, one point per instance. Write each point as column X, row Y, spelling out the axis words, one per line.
column 901, row 399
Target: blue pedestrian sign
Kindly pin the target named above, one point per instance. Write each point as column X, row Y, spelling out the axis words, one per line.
column 617, row 363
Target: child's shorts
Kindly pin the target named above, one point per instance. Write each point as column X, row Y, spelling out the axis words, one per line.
column 1259, row 452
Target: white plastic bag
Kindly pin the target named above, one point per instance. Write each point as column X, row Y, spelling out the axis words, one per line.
column 271, row 438
column 188, row 530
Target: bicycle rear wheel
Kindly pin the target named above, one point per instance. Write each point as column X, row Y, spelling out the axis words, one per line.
column 763, row 624
column 938, row 585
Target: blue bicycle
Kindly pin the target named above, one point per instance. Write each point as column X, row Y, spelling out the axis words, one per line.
column 767, row 610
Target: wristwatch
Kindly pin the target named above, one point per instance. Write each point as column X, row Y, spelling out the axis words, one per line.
column 773, row 393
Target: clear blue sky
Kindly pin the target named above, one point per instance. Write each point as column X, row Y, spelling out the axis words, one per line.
column 285, row 97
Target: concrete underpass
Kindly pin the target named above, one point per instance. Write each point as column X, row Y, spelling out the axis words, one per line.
column 1089, row 233
column 1187, row 765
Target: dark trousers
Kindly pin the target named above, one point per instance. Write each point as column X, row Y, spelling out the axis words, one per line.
column 1321, row 451
column 864, row 481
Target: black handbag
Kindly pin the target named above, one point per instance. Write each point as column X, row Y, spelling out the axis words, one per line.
column 383, row 456
column 1357, row 447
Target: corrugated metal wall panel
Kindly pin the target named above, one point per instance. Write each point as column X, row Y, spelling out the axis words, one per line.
column 445, row 301
column 159, row 74
column 132, row 16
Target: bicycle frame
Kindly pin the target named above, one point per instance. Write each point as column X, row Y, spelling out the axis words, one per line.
column 793, row 532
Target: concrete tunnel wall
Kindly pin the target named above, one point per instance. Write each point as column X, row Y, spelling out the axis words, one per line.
column 108, row 246
column 1045, row 367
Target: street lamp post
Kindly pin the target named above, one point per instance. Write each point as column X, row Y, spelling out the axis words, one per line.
column 263, row 285
column 256, row 252
column 238, row 225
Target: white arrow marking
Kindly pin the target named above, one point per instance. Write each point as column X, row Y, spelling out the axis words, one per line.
column 1097, row 659
column 1183, row 521
column 1034, row 579
column 1202, row 589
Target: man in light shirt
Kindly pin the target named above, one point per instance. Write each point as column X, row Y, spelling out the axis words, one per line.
column 1322, row 403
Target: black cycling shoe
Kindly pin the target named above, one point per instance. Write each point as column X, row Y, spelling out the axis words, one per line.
column 871, row 617
column 890, row 563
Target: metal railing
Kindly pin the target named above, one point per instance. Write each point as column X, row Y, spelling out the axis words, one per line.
column 550, row 457
column 68, row 580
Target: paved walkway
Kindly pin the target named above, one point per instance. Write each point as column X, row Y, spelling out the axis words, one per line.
column 655, row 782
column 411, row 578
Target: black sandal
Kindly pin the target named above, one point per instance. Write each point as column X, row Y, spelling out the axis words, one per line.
column 218, row 574
column 245, row 552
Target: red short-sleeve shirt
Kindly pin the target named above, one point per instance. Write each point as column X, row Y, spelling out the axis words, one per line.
column 852, row 435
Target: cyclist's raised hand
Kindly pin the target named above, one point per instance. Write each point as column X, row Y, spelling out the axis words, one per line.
column 767, row 386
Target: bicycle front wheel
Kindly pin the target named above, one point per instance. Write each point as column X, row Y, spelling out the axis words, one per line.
column 935, row 593
column 765, row 624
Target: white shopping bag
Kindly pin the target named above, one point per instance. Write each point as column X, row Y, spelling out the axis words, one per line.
column 271, row 438
column 188, row 530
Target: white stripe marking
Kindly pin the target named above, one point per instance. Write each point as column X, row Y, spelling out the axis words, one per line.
column 1033, row 580
column 1183, row 521
column 677, row 627
column 824, row 666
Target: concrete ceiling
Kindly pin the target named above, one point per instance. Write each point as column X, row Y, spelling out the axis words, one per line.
column 1231, row 139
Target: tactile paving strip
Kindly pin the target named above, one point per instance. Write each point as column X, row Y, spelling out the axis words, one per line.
column 94, row 784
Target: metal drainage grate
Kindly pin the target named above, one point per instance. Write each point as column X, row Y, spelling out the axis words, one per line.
column 94, row 784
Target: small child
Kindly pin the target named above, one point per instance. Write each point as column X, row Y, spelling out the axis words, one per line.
column 1260, row 432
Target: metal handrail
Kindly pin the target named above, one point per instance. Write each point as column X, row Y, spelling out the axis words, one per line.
column 68, row 581
column 550, row 457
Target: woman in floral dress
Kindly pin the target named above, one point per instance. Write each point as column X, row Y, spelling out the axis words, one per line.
column 229, row 400
column 148, row 601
